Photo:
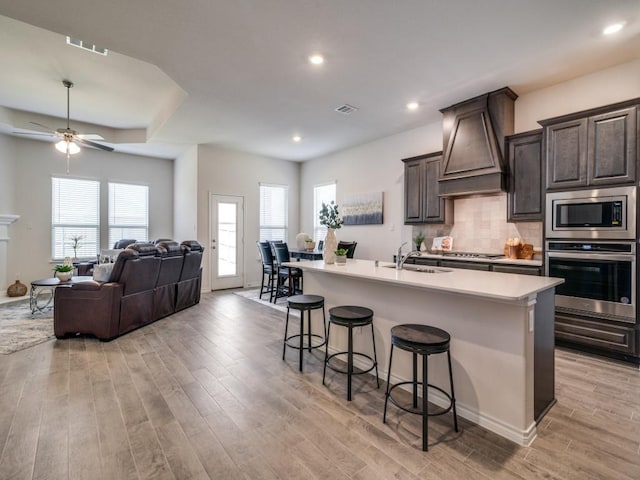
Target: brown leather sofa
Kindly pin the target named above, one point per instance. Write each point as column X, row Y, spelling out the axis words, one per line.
column 148, row 282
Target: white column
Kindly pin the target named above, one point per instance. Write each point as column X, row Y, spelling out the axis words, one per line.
column 5, row 221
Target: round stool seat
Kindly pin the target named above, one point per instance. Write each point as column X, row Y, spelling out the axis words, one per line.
column 422, row 339
column 305, row 302
column 351, row 316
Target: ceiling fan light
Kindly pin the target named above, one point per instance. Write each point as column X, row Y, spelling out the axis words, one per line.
column 64, row 146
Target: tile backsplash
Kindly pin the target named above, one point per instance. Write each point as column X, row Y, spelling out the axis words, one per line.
column 480, row 225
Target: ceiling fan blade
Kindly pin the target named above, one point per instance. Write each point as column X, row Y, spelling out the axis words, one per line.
column 34, row 134
column 93, row 144
column 43, row 126
column 90, row 136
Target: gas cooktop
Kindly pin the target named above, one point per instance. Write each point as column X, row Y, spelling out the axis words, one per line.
column 472, row 255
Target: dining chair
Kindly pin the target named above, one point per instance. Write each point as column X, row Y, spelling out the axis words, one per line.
column 268, row 269
column 289, row 278
column 350, row 247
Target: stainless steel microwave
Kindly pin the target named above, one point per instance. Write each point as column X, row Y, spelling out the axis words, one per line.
column 603, row 213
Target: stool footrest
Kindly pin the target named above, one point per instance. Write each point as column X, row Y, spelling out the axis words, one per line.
column 301, row 342
column 359, row 372
column 418, row 410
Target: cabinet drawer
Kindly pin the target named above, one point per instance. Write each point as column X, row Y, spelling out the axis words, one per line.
column 466, row 265
column 517, row 269
column 432, row 262
column 593, row 333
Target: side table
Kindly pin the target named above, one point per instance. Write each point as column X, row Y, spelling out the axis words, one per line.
column 43, row 290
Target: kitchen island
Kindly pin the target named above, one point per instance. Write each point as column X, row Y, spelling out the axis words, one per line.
column 501, row 326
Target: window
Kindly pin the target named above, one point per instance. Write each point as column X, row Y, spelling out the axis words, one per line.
column 128, row 212
column 273, row 212
column 75, row 214
column 321, row 194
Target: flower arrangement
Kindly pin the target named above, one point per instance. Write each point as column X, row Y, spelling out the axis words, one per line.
column 418, row 239
column 341, row 252
column 75, row 244
column 329, row 216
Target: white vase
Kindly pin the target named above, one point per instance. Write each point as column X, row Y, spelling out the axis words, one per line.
column 329, row 248
column 64, row 276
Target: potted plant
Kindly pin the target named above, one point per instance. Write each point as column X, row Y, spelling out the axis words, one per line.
column 63, row 272
column 310, row 245
column 75, row 244
column 418, row 239
column 330, row 218
column 341, row 256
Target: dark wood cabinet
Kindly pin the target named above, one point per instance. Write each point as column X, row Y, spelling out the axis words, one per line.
column 525, row 197
column 612, row 143
column 597, row 334
column 421, row 201
column 596, row 147
column 466, row 265
column 519, row 269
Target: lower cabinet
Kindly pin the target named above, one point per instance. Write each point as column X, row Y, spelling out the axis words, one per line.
column 466, row 265
column 519, row 269
column 599, row 334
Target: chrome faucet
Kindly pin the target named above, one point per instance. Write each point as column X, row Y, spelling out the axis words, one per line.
column 400, row 259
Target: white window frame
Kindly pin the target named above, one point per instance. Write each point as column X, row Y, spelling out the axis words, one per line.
column 132, row 225
column 65, row 189
column 273, row 227
column 320, row 231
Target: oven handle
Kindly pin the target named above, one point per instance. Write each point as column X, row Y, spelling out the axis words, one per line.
column 593, row 256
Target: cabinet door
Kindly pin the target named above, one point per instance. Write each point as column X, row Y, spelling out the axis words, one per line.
column 519, row 269
column 566, row 152
column 525, row 196
column 434, row 206
column 612, row 147
column 602, row 335
column 413, row 191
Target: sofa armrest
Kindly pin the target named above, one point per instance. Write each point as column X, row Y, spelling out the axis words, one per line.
column 87, row 307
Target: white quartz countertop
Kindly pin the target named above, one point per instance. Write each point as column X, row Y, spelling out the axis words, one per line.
column 494, row 285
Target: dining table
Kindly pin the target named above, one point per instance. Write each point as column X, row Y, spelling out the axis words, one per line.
column 306, row 254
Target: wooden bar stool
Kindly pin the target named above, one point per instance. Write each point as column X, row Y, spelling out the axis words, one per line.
column 304, row 303
column 350, row 317
column 421, row 340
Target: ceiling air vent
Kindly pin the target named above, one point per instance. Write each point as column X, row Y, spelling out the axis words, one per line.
column 86, row 46
column 346, row 109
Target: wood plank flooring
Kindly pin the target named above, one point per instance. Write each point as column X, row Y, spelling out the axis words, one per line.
column 205, row 394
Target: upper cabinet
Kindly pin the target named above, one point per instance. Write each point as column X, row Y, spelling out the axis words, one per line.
column 525, row 198
column 421, row 201
column 597, row 147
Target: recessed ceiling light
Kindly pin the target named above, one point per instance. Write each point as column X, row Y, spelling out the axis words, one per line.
column 613, row 28
column 296, row 138
column 413, row 105
column 316, row 59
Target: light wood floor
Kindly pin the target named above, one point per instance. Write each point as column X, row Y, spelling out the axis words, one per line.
column 205, row 394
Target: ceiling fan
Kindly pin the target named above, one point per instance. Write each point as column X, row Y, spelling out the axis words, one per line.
column 69, row 138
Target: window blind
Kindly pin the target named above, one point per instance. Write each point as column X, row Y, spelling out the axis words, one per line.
column 321, row 194
column 75, row 209
column 128, row 212
column 273, row 212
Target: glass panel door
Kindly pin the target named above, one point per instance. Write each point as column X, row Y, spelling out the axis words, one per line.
column 227, row 263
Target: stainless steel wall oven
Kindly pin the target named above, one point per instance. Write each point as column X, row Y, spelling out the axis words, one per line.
column 600, row 278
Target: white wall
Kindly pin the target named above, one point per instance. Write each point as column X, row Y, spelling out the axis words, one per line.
column 7, row 174
column 597, row 89
column 35, row 162
column 226, row 172
column 185, row 195
column 371, row 167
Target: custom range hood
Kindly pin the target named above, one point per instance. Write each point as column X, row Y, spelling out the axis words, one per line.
column 474, row 134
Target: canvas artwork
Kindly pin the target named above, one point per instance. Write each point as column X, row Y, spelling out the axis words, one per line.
column 362, row 209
